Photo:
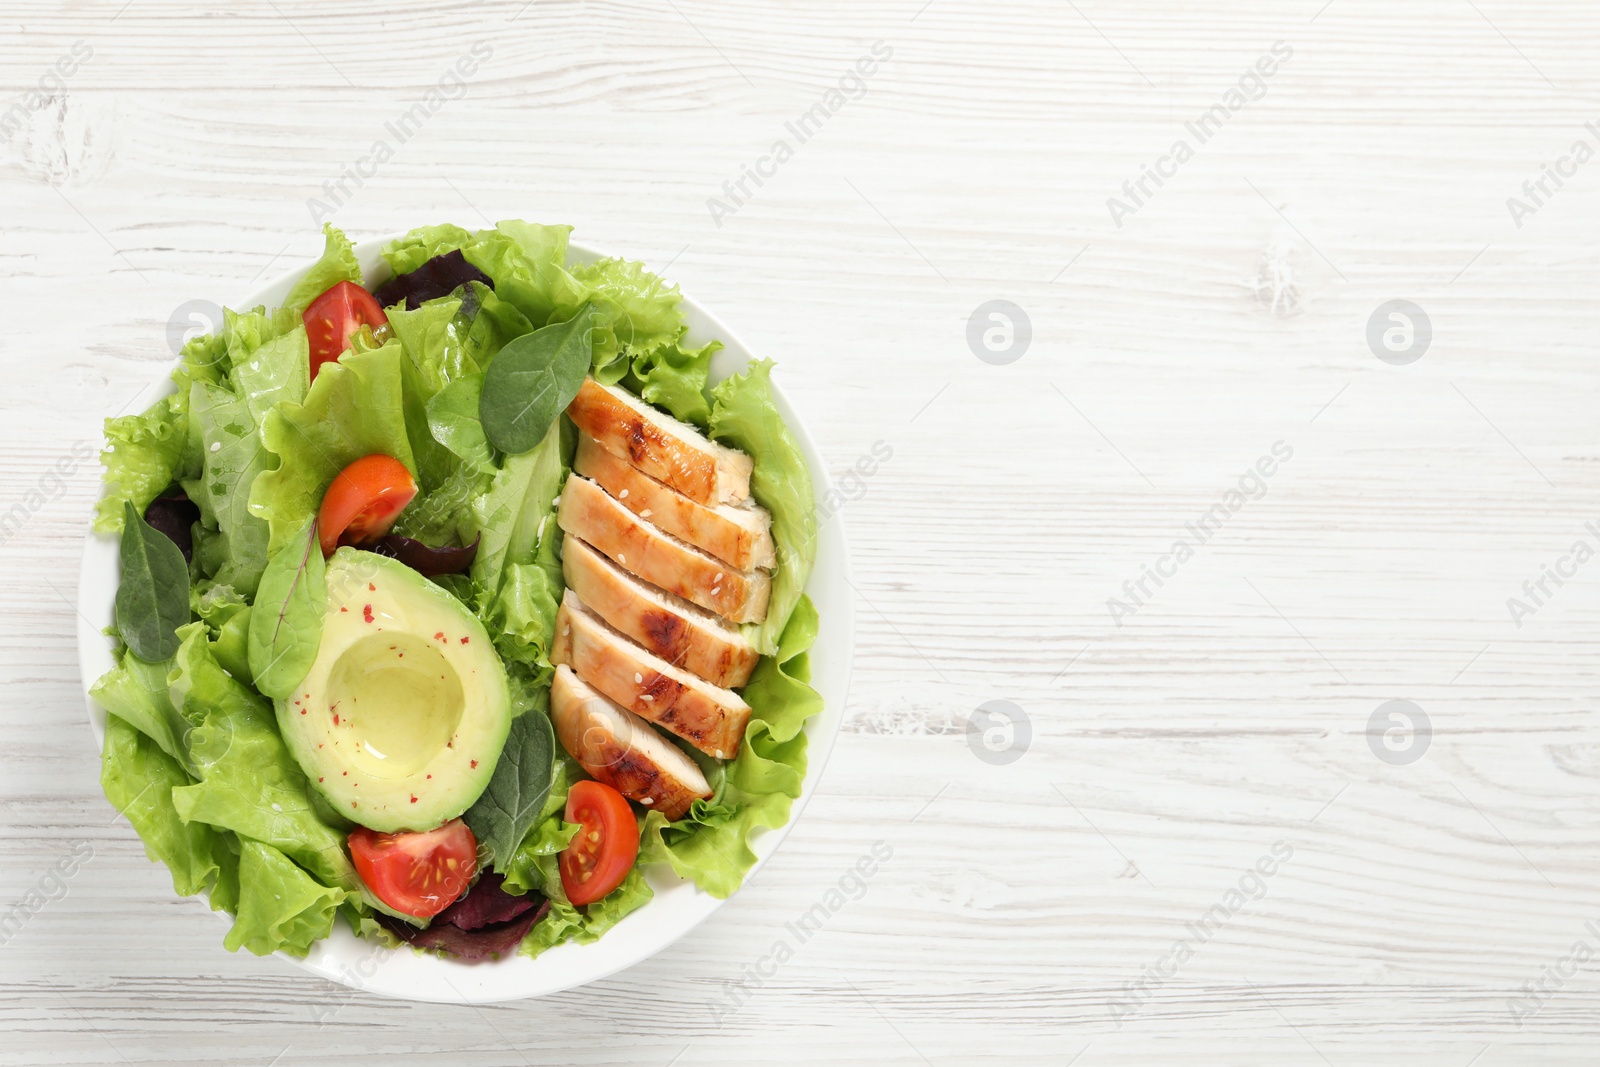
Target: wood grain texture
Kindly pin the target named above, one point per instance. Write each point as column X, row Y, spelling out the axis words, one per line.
column 1168, row 754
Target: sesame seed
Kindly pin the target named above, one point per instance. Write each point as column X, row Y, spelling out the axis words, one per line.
column 720, row 755
column 637, row 677
column 216, row 446
column 622, row 495
column 645, row 514
column 647, row 698
column 647, row 801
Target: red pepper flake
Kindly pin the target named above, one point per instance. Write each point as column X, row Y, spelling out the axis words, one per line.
column 352, row 803
column 344, row 609
column 430, row 776
column 439, row 636
column 474, row 764
column 345, row 773
column 371, row 588
column 464, row 640
column 319, row 779
column 413, row 800
column 366, row 612
column 336, row 718
column 302, row 710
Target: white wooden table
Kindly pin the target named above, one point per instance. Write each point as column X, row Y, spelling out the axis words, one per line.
column 1080, row 904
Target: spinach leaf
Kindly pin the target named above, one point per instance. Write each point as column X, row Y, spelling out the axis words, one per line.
column 532, row 380
column 286, row 620
column 502, row 816
column 454, row 421
column 153, row 599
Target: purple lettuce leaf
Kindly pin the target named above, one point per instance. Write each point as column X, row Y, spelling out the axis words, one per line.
column 439, row 276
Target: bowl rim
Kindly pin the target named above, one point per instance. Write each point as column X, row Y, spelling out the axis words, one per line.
column 423, row 977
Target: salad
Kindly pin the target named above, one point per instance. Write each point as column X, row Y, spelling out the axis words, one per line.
column 449, row 604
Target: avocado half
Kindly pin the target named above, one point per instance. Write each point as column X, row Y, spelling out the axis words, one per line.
column 401, row 719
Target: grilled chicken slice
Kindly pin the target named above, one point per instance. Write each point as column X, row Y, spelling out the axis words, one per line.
column 644, row 549
column 658, row 444
column 710, row 718
column 669, row 626
column 740, row 536
column 622, row 750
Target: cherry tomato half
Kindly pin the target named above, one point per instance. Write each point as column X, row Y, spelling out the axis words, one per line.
column 420, row 874
column 605, row 846
column 334, row 317
column 363, row 502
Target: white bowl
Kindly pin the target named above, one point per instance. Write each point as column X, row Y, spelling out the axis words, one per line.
column 678, row 906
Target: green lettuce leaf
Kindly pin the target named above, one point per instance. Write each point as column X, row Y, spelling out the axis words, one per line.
column 433, row 337
column 636, row 314
column 564, row 922
column 743, row 415
column 268, row 356
column 711, row 845
column 147, row 452
column 528, row 265
column 235, row 550
column 353, row 409
column 516, row 512
column 338, row 264
column 144, row 454
column 280, row 906
column 136, row 692
column 227, row 618
column 674, row 377
column 138, row 779
column 249, row 783
column 406, row 254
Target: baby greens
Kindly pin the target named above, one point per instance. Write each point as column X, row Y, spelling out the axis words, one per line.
column 532, row 380
column 286, row 621
column 153, row 600
column 515, row 798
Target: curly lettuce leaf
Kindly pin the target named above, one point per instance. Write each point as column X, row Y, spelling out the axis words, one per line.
column 144, row 454
column 149, row 451
column 406, row 254
column 248, row 781
column 528, row 264
column 355, row 408
column 744, row 415
column 711, row 845
column 280, row 906
column 338, row 264
column 636, row 314
column 564, row 922
column 674, row 377
column 138, row 778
